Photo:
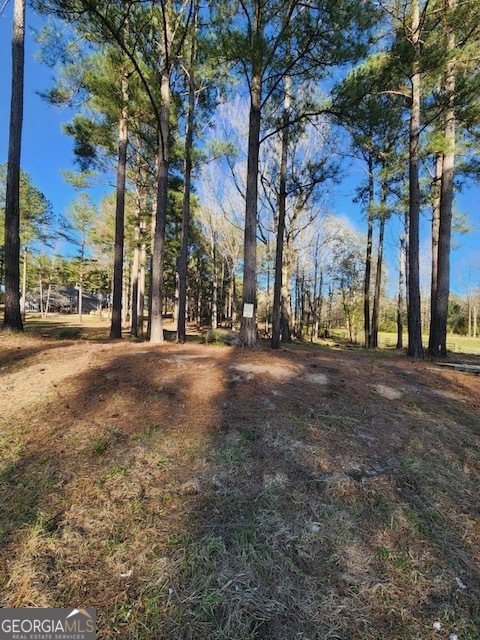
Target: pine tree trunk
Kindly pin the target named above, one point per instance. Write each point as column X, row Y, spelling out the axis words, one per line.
column 141, row 289
column 328, row 321
column 80, row 297
column 314, row 329
column 23, row 304
column 2, row 269
column 368, row 258
column 214, row 310
column 183, row 258
column 116, row 323
column 415, row 348
column 318, row 319
column 126, row 295
column 401, row 284
column 135, row 265
column 282, row 207
column 469, row 318
column 198, row 305
column 234, row 296
column 435, row 232
column 248, row 330
column 47, row 302
column 156, row 279
column 12, row 318
column 378, row 285
column 40, row 290
column 438, row 341
column 286, row 317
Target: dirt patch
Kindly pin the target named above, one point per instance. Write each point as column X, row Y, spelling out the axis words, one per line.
column 315, row 378
column 276, row 372
column 181, row 503
column 387, row 392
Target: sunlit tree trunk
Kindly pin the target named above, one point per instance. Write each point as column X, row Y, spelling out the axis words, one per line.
column 286, row 317
column 183, row 258
column 415, row 348
column 135, row 267
column 12, row 318
column 282, row 206
column 126, row 294
column 23, row 303
column 40, row 293
column 214, row 310
column 400, row 299
column 314, row 328
column 438, row 338
column 47, row 301
column 435, row 232
column 378, row 284
column 368, row 257
column 378, row 275
column 116, row 323
column 80, row 295
column 141, row 288
column 248, row 329
column 158, row 253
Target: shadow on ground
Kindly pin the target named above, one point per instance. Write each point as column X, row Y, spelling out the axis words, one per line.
column 209, row 492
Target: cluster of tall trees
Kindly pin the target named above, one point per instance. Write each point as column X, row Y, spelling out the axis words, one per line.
column 155, row 83
column 419, row 110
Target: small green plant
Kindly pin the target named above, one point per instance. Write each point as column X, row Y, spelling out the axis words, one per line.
column 100, row 446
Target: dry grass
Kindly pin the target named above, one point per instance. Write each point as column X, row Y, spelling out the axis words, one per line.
column 187, row 501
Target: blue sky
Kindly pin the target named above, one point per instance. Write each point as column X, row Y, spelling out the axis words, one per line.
column 46, row 151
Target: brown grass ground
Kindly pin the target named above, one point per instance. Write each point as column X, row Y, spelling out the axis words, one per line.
column 207, row 492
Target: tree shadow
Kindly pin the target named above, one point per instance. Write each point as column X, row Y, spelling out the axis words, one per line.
column 201, row 492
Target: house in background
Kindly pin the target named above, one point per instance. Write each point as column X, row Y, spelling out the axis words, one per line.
column 64, row 300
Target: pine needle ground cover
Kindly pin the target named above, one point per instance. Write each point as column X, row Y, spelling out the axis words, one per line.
column 208, row 492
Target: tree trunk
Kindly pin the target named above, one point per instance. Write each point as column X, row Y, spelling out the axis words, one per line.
column 47, row 302
column 40, row 290
column 2, row 268
column 248, row 330
column 378, row 285
column 23, row 304
column 126, row 295
column 198, row 306
column 282, row 207
column 438, row 339
column 328, row 321
column 80, row 295
column 12, row 319
column 319, row 308
column 435, row 231
column 156, row 279
column 314, row 329
column 135, row 265
column 214, row 314
column 401, row 284
column 415, row 348
column 183, row 258
column 116, row 324
column 296, row 318
column 141, row 288
column 286, row 318
column 469, row 316
column 368, row 257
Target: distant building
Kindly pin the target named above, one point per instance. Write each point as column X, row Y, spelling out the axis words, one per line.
column 63, row 300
